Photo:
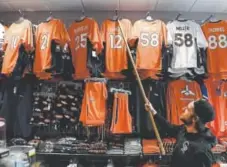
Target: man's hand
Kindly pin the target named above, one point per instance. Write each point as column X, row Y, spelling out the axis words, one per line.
column 149, row 107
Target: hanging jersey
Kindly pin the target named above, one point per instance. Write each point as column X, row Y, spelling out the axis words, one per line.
column 156, row 93
column 216, row 34
column 214, row 91
column 179, row 94
column 217, row 92
column 18, row 34
column 116, row 53
column 93, row 110
column 2, row 34
column 79, row 32
column 48, row 34
column 121, row 117
column 151, row 35
column 185, row 36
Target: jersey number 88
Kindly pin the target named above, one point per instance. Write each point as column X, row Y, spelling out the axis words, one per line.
column 220, row 41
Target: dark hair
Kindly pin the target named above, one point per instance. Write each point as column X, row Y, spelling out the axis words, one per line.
column 204, row 110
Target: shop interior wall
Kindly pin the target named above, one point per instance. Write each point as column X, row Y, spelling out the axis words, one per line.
column 70, row 16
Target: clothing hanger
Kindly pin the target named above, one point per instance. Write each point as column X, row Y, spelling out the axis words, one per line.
column 50, row 17
column 148, row 17
column 83, row 16
column 2, row 22
column 178, row 16
column 115, row 17
column 21, row 18
column 211, row 19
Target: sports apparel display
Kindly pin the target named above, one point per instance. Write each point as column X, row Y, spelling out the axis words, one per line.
column 80, row 33
column 121, row 118
column 115, row 48
column 152, row 38
column 93, row 110
column 215, row 33
column 73, row 91
column 50, row 37
column 18, row 42
column 185, row 36
column 179, row 94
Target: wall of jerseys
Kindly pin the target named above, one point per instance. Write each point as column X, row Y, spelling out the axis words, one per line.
column 179, row 62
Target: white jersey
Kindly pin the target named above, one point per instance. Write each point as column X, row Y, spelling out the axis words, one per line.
column 185, row 36
column 2, row 34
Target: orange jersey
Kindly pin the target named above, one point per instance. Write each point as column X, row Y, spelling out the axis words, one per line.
column 179, row 94
column 46, row 32
column 151, row 35
column 93, row 110
column 121, row 117
column 217, row 92
column 216, row 35
column 18, row 34
column 116, row 51
column 79, row 32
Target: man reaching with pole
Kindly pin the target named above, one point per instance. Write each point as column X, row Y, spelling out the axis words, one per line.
column 194, row 140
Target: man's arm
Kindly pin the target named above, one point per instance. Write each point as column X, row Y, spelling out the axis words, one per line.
column 172, row 130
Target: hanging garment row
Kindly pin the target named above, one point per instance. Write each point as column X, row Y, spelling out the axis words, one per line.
column 182, row 48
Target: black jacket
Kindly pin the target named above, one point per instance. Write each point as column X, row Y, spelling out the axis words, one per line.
column 192, row 149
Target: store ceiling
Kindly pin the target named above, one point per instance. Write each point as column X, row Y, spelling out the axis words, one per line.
column 210, row 6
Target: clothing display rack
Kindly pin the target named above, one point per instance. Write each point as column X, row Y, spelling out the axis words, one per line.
column 74, row 83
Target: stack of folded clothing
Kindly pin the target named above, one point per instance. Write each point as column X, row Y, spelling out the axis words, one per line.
column 98, row 148
column 169, row 144
column 219, row 148
column 81, row 147
column 115, row 148
column 133, row 146
column 150, row 146
column 223, row 141
column 65, row 145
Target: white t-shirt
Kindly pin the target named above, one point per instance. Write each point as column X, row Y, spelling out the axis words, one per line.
column 182, row 35
column 2, row 34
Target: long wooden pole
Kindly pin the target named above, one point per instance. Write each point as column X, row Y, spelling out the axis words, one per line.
column 143, row 92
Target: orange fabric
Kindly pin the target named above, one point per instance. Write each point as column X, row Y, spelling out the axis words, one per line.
column 150, row 165
column 121, row 117
column 116, row 52
column 215, row 34
column 79, row 32
column 47, row 32
column 179, row 94
column 217, row 91
column 212, row 86
column 15, row 36
column 6, row 28
column 93, row 110
column 151, row 36
column 150, row 146
column 145, row 74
